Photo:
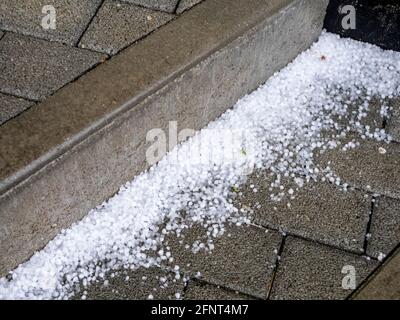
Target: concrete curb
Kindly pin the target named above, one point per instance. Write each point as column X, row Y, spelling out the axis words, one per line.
column 384, row 283
column 76, row 149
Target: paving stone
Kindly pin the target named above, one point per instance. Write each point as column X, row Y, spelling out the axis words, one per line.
column 186, row 4
column 393, row 123
column 203, row 291
column 140, row 284
column 118, row 25
column 242, row 260
column 35, row 68
column 164, row 5
column 374, row 166
column 1, row 34
column 72, row 18
column 11, row 106
column 319, row 211
column 385, row 227
column 309, row 270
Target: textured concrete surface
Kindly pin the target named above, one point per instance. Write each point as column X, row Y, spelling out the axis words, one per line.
column 56, row 151
column 197, row 290
column 243, row 258
column 186, row 4
column 33, row 68
column 384, row 284
column 366, row 167
column 72, row 18
column 385, row 227
column 134, row 285
column 312, row 271
column 11, row 106
column 164, row 5
column 319, row 211
column 119, row 24
column 1, row 34
column 393, row 123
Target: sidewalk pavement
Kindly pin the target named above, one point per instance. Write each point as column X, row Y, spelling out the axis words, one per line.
column 36, row 62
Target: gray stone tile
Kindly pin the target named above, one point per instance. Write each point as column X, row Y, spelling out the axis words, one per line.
column 373, row 166
column 243, row 258
column 140, row 284
column 319, row 211
column 393, row 123
column 35, row 68
column 11, row 106
column 163, row 5
column 72, row 18
column 203, row 291
column 186, row 4
column 385, row 227
column 311, row 271
column 1, row 34
column 118, row 25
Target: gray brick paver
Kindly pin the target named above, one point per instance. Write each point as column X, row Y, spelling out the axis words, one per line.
column 138, row 286
column 385, row 227
column 35, row 68
column 72, row 18
column 119, row 24
column 12, row 106
column 242, row 260
column 319, row 211
column 312, row 271
column 373, row 166
column 203, row 291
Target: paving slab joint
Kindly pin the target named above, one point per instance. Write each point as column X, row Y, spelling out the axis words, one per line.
column 277, row 261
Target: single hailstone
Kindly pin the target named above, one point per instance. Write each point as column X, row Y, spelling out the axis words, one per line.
column 381, row 256
column 382, row 150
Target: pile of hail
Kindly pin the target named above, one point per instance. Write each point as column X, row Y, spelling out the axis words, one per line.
column 306, row 108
